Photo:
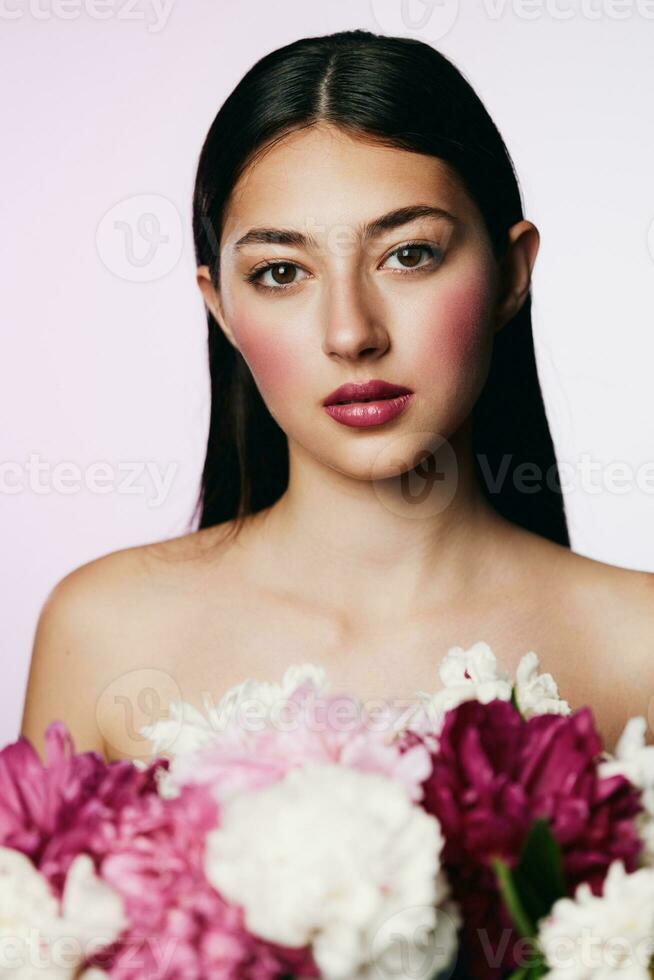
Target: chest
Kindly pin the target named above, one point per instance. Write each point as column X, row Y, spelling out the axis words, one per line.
column 202, row 648
column 378, row 657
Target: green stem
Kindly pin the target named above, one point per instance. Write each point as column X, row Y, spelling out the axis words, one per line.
column 511, row 899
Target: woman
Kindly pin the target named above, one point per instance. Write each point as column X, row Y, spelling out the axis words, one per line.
column 357, row 223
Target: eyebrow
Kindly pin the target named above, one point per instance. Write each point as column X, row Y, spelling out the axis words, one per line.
column 370, row 229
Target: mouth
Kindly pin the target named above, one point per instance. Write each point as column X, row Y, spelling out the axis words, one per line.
column 370, row 391
column 364, row 405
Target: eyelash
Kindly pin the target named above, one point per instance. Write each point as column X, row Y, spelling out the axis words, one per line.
column 255, row 276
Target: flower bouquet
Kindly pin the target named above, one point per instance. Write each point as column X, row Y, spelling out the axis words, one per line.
column 292, row 832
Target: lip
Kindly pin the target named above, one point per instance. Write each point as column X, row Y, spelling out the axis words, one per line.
column 360, row 415
column 369, row 391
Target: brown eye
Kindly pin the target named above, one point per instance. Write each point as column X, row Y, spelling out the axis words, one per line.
column 410, row 253
column 283, row 274
column 411, row 256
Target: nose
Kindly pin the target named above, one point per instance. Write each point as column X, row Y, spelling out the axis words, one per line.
column 354, row 325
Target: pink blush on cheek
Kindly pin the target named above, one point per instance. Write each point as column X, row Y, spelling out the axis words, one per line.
column 272, row 364
column 453, row 331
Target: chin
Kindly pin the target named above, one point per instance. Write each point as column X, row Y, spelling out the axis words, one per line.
column 389, row 457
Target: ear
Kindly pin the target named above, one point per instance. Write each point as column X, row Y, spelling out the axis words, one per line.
column 212, row 299
column 515, row 270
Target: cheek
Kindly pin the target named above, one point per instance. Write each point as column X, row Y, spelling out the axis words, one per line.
column 455, row 328
column 272, row 361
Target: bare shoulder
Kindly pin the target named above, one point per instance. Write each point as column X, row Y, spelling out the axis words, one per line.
column 603, row 595
column 619, row 601
column 606, row 646
column 618, row 606
column 99, row 626
column 592, row 624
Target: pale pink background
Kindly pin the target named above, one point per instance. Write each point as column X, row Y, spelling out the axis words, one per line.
column 99, row 367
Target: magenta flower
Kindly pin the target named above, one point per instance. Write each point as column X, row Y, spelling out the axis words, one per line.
column 180, row 926
column 38, row 801
column 493, row 775
column 149, row 849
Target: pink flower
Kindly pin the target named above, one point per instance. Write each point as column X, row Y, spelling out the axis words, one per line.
column 148, row 849
column 493, row 775
column 38, row 801
column 336, row 728
column 180, row 926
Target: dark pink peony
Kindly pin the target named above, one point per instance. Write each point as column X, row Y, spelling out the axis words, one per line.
column 36, row 800
column 149, row 849
column 493, row 775
column 180, row 925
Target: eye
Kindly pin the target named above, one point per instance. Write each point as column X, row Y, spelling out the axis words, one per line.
column 283, row 276
column 410, row 253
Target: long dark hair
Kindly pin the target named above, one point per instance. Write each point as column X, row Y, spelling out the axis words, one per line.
column 403, row 93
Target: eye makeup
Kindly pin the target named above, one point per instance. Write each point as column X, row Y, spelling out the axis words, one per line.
column 435, row 254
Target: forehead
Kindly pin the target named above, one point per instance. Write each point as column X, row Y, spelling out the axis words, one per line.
column 323, row 176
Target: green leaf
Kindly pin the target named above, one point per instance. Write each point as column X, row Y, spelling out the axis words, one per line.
column 538, row 876
column 530, row 889
column 514, row 700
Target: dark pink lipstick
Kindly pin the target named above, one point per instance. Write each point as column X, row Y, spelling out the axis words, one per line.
column 372, row 403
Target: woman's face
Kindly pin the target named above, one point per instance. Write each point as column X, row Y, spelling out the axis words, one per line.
column 410, row 302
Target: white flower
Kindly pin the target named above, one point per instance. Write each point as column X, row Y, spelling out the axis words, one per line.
column 466, row 675
column 537, row 694
column 476, row 666
column 38, row 932
column 635, row 760
column 337, row 858
column 610, row 935
column 474, row 674
column 186, row 729
column 233, row 708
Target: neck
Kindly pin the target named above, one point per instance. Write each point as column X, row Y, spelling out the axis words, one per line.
column 384, row 547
